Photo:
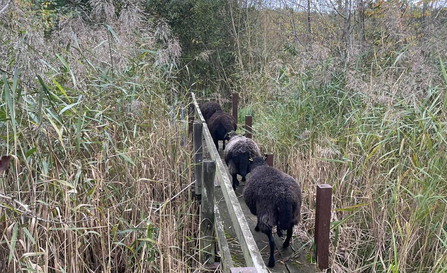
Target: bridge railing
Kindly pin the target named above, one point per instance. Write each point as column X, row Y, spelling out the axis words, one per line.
column 252, row 255
column 208, row 171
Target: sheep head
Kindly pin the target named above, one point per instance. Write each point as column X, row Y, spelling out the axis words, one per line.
column 257, row 161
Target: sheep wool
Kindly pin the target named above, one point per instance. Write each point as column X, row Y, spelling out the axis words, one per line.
column 237, row 155
column 275, row 198
column 219, row 125
column 209, row 108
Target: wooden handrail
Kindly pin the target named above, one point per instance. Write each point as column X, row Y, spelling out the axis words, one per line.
column 248, row 245
column 225, row 255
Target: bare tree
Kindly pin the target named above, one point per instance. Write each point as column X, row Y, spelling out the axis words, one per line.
column 347, row 27
column 309, row 29
column 361, row 4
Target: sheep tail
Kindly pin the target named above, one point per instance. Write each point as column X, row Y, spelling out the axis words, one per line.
column 285, row 216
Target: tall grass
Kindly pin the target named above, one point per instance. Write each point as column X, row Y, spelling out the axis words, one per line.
column 99, row 180
column 386, row 162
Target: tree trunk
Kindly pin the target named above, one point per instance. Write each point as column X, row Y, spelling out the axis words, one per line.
column 309, row 29
column 347, row 27
column 362, row 20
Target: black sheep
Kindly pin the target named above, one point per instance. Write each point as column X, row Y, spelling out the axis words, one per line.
column 238, row 153
column 219, row 125
column 209, row 108
column 275, row 198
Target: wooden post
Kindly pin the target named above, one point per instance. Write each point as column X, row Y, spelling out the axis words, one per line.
column 4, row 163
column 182, row 112
column 248, row 121
column 235, row 99
column 198, row 156
column 322, row 224
column 190, row 125
column 190, row 119
column 270, row 159
column 207, row 250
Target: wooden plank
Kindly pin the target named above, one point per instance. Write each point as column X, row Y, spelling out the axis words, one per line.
column 226, row 260
column 207, row 251
column 243, row 270
column 198, row 157
column 322, row 224
column 251, row 252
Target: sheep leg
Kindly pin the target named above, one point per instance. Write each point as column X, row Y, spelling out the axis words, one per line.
column 272, row 249
column 257, row 227
column 279, row 232
column 289, row 236
column 235, row 181
column 216, row 142
column 223, row 144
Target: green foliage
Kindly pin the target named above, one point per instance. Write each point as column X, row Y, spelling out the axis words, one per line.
column 364, row 112
column 202, row 27
column 384, row 163
column 97, row 157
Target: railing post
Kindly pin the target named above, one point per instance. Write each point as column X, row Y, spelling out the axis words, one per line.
column 269, row 160
column 190, row 119
column 235, row 99
column 322, row 224
column 182, row 114
column 248, row 123
column 198, row 156
column 207, row 249
column 4, row 163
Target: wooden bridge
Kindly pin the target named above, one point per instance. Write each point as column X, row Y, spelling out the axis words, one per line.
column 226, row 219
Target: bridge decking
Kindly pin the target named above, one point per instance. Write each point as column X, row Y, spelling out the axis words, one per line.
column 241, row 245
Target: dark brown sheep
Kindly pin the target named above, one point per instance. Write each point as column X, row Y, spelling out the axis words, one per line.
column 219, row 125
column 275, row 198
column 209, row 108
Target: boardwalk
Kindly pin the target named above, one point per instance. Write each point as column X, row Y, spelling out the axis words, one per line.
column 289, row 261
column 234, row 225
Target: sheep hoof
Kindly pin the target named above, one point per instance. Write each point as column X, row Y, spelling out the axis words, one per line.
column 271, row 263
column 279, row 232
column 285, row 245
column 243, row 178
